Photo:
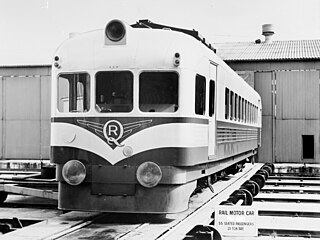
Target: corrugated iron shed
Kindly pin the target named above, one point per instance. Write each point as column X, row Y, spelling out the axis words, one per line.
column 271, row 51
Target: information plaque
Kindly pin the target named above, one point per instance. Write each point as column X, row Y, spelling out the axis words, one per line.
column 236, row 221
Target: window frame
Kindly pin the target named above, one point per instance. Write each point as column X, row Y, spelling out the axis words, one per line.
column 88, row 92
column 212, row 96
column 157, row 71
column 204, row 97
column 227, row 103
column 95, row 90
column 231, row 105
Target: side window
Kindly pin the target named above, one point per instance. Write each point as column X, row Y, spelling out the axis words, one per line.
column 246, row 111
column 114, row 91
column 250, row 112
column 200, row 95
column 211, row 97
column 236, row 107
column 73, row 92
column 158, row 92
column 227, row 99
column 240, row 109
column 251, row 107
column 232, row 106
column 243, row 110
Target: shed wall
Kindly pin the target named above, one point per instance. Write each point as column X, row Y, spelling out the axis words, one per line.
column 1, row 117
column 289, row 140
column 291, row 104
column 297, row 114
column 25, row 113
column 297, row 95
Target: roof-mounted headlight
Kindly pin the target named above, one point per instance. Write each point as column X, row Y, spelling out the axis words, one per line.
column 115, row 30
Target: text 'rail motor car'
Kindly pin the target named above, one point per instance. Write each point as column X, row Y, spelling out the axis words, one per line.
column 141, row 114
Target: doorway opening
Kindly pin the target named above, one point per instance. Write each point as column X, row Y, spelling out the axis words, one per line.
column 308, row 146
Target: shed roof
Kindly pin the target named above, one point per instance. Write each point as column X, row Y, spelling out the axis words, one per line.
column 275, row 50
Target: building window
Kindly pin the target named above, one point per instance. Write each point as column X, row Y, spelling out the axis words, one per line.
column 200, row 99
column 308, row 146
column 158, row 92
column 73, row 92
column 114, row 91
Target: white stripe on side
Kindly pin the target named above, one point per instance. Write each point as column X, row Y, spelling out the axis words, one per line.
column 166, row 135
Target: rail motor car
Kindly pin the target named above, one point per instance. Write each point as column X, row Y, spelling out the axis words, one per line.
column 143, row 113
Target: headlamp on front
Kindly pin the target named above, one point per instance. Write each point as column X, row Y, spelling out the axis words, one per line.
column 74, row 172
column 149, row 174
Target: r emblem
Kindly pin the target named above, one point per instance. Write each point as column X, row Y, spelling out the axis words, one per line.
column 113, row 131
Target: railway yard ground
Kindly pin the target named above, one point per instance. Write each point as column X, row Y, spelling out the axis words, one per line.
column 252, row 204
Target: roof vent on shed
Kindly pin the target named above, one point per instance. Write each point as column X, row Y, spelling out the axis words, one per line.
column 268, row 32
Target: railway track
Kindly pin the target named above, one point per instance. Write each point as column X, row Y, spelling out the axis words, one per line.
column 130, row 226
column 20, row 211
column 289, row 204
column 288, row 207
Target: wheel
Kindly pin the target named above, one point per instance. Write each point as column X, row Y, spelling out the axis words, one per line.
column 270, row 165
column 263, row 173
column 248, row 199
column 251, row 186
column 259, row 179
column 268, row 169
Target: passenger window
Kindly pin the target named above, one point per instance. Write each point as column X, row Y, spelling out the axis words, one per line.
column 114, row 91
column 246, row 111
column 227, row 99
column 243, row 111
column 232, row 106
column 249, row 112
column 236, row 107
column 158, row 92
column 240, row 108
column 250, row 107
column 73, row 92
column 211, row 97
column 200, row 98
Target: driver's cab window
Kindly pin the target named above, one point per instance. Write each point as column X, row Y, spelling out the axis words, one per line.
column 73, row 92
column 114, row 91
column 158, row 92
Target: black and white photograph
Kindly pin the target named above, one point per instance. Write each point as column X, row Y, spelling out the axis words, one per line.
column 159, row 119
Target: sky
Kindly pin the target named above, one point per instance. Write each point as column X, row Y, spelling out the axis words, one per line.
column 31, row 30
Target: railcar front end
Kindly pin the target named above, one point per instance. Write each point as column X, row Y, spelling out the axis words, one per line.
column 134, row 120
